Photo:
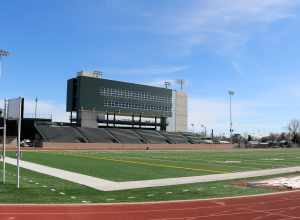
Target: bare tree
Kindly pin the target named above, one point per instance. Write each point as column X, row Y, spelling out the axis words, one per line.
column 294, row 128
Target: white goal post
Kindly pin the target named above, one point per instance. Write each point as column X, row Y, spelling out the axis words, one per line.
column 13, row 111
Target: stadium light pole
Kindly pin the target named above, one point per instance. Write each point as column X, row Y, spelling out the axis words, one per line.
column 3, row 53
column 167, row 84
column 35, row 108
column 231, row 93
column 181, row 82
column 193, row 127
column 204, row 127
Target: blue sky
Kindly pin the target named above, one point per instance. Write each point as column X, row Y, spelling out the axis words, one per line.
column 249, row 46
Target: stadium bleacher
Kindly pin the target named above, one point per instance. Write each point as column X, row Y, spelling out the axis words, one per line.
column 152, row 136
column 175, row 138
column 193, row 138
column 61, row 134
column 65, row 133
column 125, row 136
column 97, row 135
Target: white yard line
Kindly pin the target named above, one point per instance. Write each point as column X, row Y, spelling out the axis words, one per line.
column 106, row 185
column 93, row 182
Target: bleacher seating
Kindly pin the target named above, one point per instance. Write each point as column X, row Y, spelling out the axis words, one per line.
column 60, row 134
column 175, row 138
column 97, row 135
column 193, row 138
column 125, row 136
column 152, row 136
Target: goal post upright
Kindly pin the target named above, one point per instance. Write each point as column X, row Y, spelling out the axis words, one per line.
column 4, row 142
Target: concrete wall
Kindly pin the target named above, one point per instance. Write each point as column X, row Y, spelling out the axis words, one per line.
column 88, row 119
column 95, row 146
column 178, row 121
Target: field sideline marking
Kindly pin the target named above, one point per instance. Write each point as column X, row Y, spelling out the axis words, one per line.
column 146, row 163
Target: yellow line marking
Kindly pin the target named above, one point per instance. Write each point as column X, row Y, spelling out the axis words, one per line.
column 146, row 163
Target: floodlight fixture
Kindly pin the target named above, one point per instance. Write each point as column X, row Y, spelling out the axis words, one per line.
column 181, row 82
column 167, row 84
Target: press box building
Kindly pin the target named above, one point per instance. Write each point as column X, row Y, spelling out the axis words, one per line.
column 97, row 102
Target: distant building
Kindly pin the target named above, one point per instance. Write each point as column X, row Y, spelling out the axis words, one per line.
column 97, row 102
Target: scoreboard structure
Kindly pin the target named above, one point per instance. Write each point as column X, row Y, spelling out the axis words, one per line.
column 95, row 102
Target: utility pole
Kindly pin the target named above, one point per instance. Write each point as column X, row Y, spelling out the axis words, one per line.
column 231, row 93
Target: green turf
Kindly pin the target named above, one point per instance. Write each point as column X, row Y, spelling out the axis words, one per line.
column 143, row 165
column 33, row 190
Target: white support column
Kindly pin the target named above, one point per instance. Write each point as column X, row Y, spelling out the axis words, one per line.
column 19, row 143
column 4, row 141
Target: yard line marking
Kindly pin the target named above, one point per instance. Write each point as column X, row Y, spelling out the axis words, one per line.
column 147, row 164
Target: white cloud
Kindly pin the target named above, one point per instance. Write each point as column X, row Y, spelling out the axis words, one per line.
column 224, row 25
column 160, row 82
column 46, row 109
column 148, row 71
column 214, row 114
column 211, row 113
column 216, row 15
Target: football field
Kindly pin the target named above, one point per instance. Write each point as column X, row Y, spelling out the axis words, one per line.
column 141, row 165
column 146, row 165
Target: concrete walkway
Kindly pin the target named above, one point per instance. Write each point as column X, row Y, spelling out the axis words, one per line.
column 106, row 185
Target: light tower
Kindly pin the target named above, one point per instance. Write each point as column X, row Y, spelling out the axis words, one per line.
column 3, row 53
column 231, row 93
column 204, row 127
column 167, row 84
column 181, row 82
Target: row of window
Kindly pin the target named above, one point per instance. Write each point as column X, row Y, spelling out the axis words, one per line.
column 133, row 95
column 127, row 105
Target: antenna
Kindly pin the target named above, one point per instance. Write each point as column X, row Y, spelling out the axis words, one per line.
column 167, row 84
column 181, row 82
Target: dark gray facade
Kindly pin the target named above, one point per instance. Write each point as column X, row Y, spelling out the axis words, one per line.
column 115, row 97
